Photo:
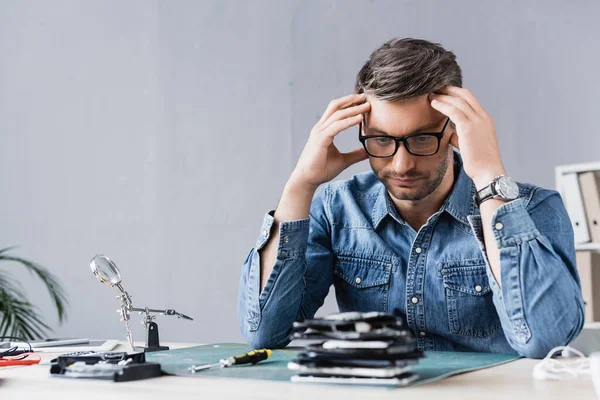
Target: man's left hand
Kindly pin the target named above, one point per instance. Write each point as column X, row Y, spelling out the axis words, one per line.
column 475, row 134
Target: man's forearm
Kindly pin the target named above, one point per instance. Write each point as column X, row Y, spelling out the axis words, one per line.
column 267, row 308
column 487, row 210
column 539, row 303
column 294, row 205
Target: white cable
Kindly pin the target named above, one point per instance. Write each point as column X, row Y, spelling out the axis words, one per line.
column 562, row 369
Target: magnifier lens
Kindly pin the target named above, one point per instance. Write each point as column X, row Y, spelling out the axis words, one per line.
column 105, row 270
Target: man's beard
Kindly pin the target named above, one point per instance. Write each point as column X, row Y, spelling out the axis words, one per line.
column 426, row 186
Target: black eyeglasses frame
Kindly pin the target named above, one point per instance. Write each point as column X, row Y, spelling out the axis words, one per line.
column 362, row 138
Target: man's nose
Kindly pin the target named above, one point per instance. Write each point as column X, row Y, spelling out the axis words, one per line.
column 403, row 161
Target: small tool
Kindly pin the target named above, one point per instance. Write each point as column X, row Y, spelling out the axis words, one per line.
column 252, row 357
column 107, row 272
column 25, row 359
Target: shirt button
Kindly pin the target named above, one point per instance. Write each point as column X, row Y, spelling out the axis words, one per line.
column 414, row 300
column 499, row 226
column 478, row 288
column 358, row 281
column 265, row 233
column 418, row 250
column 422, row 333
column 286, row 239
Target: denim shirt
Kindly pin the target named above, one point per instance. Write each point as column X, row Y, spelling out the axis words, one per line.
column 438, row 278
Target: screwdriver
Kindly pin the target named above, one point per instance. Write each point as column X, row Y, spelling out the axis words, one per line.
column 252, row 357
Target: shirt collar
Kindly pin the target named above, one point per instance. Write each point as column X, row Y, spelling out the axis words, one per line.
column 383, row 207
column 459, row 204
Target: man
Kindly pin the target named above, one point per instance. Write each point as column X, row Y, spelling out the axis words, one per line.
column 473, row 260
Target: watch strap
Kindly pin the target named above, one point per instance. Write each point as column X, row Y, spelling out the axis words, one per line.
column 487, row 192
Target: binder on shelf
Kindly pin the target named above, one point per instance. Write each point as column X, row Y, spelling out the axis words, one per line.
column 574, row 205
column 588, row 266
column 589, row 183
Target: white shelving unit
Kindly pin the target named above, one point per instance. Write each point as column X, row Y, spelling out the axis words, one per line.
column 578, row 168
column 588, row 246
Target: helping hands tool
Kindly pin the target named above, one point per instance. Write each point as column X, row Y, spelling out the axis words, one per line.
column 252, row 357
column 107, row 272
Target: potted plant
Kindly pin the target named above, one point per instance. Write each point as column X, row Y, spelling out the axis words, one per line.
column 18, row 317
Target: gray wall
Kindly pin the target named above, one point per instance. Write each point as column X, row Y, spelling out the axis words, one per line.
column 159, row 132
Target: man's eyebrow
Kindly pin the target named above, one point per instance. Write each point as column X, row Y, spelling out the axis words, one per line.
column 423, row 128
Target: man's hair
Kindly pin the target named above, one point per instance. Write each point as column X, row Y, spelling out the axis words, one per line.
column 405, row 68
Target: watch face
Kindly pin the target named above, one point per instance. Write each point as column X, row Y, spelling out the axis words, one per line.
column 507, row 188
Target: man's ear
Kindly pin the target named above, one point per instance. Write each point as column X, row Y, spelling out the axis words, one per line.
column 454, row 141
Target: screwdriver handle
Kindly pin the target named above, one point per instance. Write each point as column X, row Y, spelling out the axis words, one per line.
column 252, row 357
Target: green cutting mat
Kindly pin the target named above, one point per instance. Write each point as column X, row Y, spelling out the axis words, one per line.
column 435, row 366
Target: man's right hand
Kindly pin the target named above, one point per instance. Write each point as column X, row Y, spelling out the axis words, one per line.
column 320, row 160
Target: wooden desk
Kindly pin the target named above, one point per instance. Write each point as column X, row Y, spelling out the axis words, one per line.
column 509, row 382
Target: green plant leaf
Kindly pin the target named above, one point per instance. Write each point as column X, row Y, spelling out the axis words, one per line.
column 18, row 317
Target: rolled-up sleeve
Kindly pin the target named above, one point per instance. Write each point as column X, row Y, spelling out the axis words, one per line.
column 539, row 301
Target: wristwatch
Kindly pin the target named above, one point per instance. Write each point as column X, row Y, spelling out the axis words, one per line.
column 502, row 187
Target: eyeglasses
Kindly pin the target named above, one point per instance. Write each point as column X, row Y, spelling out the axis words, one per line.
column 417, row 144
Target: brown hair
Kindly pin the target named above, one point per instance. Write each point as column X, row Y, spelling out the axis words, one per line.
column 405, row 68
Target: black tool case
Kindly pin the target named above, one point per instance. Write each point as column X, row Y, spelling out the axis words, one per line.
column 115, row 366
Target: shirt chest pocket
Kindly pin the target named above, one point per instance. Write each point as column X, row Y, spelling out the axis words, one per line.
column 362, row 283
column 471, row 311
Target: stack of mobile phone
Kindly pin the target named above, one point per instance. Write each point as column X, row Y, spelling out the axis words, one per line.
column 357, row 348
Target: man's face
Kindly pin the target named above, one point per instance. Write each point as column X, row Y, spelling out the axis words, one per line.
column 406, row 176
